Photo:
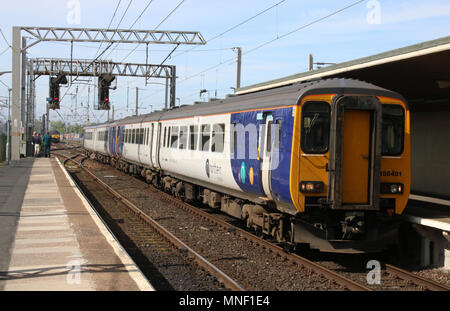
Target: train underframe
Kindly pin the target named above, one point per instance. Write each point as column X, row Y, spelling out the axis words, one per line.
column 319, row 228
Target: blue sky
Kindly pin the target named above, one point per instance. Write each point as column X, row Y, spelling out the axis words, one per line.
column 350, row 34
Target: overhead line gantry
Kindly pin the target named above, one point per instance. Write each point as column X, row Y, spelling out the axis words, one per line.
column 47, row 34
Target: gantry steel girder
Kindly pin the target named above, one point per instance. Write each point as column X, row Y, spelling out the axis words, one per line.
column 112, row 35
column 82, row 67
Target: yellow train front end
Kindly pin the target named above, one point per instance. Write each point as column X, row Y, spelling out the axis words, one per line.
column 350, row 172
column 55, row 137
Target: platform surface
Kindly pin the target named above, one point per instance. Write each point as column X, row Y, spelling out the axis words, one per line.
column 427, row 211
column 51, row 238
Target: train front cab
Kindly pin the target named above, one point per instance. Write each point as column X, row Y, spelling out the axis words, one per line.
column 350, row 172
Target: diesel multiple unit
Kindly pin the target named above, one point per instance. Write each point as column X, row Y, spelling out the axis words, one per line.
column 325, row 162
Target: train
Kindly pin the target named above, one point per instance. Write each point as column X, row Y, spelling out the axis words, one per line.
column 55, row 136
column 323, row 163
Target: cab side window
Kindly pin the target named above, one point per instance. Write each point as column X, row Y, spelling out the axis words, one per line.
column 315, row 127
column 393, row 130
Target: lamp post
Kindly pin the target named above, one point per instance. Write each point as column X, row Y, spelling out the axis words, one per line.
column 8, row 129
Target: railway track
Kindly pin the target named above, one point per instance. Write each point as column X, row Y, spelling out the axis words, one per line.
column 426, row 284
column 416, row 279
column 294, row 259
column 162, row 232
column 279, row 251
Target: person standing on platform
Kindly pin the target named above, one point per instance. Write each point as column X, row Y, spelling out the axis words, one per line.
column 47, row 143
column 37, row 140
column 33, row 141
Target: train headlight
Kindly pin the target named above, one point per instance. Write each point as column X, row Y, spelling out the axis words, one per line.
column 311, row 187
column 391, row 188
column 394, row 188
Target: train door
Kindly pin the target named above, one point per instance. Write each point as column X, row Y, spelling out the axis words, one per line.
column 119, row 140
column 140, row 143
column 106, row 140
column 157, row 146
column 355, row 153
column 355, row 159
column 265, row 147
column 112, row 140
column 150, row 143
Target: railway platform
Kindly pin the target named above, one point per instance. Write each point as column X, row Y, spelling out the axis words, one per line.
column 52, row 239
column 431, row 220
column 428, row 211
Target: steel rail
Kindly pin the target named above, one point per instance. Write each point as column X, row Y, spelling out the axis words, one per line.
column 71, row 158
column 200, row 260
column 416, row 279
column 350, row 284
column 294, row 258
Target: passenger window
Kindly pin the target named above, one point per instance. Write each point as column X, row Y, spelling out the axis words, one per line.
column 174, row 137
column 150, row 134
column 206, row 135
column 278, row 132
column 217, row 138
column 233, row 137
column 183, row 137
column 269, row 136
column 393, row 130
column 315, row 127
column 168, row 137
column 164, row 139
column 141, row 136
column 193, row 129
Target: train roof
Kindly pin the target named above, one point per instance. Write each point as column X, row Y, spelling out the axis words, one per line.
column 285, row 96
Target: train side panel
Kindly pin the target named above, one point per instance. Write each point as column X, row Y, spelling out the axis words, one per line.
column 203, row 157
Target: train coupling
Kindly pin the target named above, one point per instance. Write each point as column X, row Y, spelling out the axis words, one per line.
column 352, row 225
